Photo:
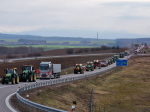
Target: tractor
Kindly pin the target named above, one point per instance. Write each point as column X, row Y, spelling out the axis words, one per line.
column 89, row 66
column 79, row 68
column 11, row 76
column 116, row 56
column 97, row 63
column 28, row 73
column 113, row 59
column 121, row 54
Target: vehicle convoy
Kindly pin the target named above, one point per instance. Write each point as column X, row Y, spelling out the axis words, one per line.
column 97, row 63
column 121, row 54
column 104, row 63
column 49, row 70
column 79, row 68
column 28, row 73
column 89, row 66
column 11, row 76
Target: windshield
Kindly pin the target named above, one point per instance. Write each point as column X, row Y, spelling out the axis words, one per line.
column 10, row 71
column 44, row 67
column 96, row 62
column 89, row 63
column 27, row 68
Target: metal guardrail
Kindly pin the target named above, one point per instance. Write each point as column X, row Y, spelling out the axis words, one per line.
column 29, row 104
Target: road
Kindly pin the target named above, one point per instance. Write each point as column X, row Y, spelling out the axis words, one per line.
column 60, row 56
column 8, row 89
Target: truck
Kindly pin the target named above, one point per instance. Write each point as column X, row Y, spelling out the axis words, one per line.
column 79, row 68
column 104, row 63
column 10, row 76
column 97, row 63
column 48, row 70
column 89, row 66
column 28, row 73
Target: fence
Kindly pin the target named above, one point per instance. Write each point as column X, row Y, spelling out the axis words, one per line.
column 31, row 106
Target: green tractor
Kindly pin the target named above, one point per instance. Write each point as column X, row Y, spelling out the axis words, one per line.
column 113, row 59
column 79, row 68
column 89, row 66
column 11, row 76
column 121, row 54
column 28, row 73
column 116, row 57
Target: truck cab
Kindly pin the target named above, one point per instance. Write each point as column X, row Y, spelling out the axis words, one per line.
column 48, row 70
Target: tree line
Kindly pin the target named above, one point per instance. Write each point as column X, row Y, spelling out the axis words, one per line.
column 20, row 50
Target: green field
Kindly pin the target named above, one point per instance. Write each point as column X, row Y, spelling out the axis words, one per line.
column 47, row 47
column 77, row 42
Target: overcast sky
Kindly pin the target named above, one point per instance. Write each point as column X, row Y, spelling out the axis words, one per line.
column 71, row 17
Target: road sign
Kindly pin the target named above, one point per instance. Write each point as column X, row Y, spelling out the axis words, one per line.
column 121, row 62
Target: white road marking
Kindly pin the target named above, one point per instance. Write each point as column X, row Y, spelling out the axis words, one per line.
column 7, row 102
column 6, row 86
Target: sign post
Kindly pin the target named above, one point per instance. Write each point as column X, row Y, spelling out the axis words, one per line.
column 121, row 62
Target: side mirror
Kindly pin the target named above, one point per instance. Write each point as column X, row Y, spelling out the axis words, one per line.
column 32, row 68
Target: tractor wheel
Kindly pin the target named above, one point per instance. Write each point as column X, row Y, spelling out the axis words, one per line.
column 30, row 78
column 94, row 67
column 13, row 81
column 34, row 77
column 17, row 80
column 20, row 78
column 82, row 71
column 99, row 67
column 3, row 80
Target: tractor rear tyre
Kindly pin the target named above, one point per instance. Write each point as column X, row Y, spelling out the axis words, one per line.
column 17, row 80
column 3, row 80
column 34, row 77
column 82, row 72
column 20, row 78
column 30, row 78
column 13, row 81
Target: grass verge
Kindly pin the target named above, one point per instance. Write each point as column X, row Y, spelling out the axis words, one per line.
column 124, row 89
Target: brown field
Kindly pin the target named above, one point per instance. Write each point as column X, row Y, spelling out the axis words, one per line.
column 123, row 89
column 63, row 52
column 65, row 62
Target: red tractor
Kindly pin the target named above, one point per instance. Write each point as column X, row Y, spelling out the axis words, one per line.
column 97, row 63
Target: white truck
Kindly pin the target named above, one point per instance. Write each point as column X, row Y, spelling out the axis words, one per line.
column 48, row 70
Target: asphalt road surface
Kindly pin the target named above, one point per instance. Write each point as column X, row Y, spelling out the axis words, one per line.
column 7, row 89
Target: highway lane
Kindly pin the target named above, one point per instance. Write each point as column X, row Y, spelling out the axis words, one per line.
column 59, row 56
column 8, row 89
